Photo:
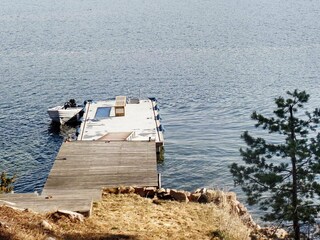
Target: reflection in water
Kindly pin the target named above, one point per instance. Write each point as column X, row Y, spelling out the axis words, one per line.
column 67, row 131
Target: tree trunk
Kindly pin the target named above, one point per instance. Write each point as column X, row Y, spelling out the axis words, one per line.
column 296, row 226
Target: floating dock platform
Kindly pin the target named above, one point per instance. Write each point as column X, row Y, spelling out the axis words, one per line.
column 117, row 145
column 121, row 120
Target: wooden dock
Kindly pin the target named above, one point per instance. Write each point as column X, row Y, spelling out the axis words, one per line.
column 82, row 168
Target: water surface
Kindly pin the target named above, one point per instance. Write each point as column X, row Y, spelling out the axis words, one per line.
column 209, row 63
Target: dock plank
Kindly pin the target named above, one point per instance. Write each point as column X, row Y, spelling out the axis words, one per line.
column 90, row 162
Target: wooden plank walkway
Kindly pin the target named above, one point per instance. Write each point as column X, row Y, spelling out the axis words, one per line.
column 82, row 168
column 83, row 165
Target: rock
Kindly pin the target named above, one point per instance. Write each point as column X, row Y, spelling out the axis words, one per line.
column 50, row 238
column 234, row 203
column 231, row 196
column 213, row 196
column 111, row 190
column 164, row 194
column 254, row 236
column 127, row 190
column 161, row 191
column 194, row 197
column 247, row 220
column 272, row 233
column 281, row 233
column 259, row 235
column 3, row 225
column 74, row 216
column 217, row 197
column 180, row 196
column 210, row 195
column 140, row 191
column 150, row 192
column 242, row 209
column 234, row 206
column 203, row 198
column 258, row 228
column 121, row 189
column 45, row 225
column 156, row 201
column 200, row 190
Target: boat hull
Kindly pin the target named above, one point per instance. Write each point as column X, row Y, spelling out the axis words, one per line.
column 61, row 115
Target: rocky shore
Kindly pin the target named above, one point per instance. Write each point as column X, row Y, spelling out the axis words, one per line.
column 138, row 213
column 225, row 200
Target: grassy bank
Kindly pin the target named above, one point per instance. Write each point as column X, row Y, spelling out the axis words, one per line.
column 129, row 216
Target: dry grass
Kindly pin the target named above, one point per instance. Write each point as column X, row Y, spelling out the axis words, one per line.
column 130, row 217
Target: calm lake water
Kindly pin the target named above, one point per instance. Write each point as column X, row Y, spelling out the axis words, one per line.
column 210, row 63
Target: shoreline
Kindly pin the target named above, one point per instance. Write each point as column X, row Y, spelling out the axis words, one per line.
column 140, row 213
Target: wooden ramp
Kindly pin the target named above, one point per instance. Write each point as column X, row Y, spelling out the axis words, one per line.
column 82, row 168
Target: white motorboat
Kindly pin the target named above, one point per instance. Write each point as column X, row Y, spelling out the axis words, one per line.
column 62, row 114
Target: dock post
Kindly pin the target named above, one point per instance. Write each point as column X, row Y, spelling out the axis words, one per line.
column 159, row 180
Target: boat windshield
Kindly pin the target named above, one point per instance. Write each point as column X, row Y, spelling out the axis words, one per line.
column 102, row 112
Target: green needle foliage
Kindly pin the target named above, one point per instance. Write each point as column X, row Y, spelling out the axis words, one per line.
column 283, row 179
column 6, row 183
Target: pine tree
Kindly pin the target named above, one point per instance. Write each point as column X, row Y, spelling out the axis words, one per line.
column 284, row 178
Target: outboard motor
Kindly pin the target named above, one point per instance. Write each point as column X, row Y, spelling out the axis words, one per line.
column 66, row 105
column 72, row 103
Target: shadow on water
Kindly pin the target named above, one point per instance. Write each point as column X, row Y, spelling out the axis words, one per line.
column 54, row 128
column 63, row 130
column 35, row 177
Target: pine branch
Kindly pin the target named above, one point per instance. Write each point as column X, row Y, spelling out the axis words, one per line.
column 257, row 182
column 304, row 163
